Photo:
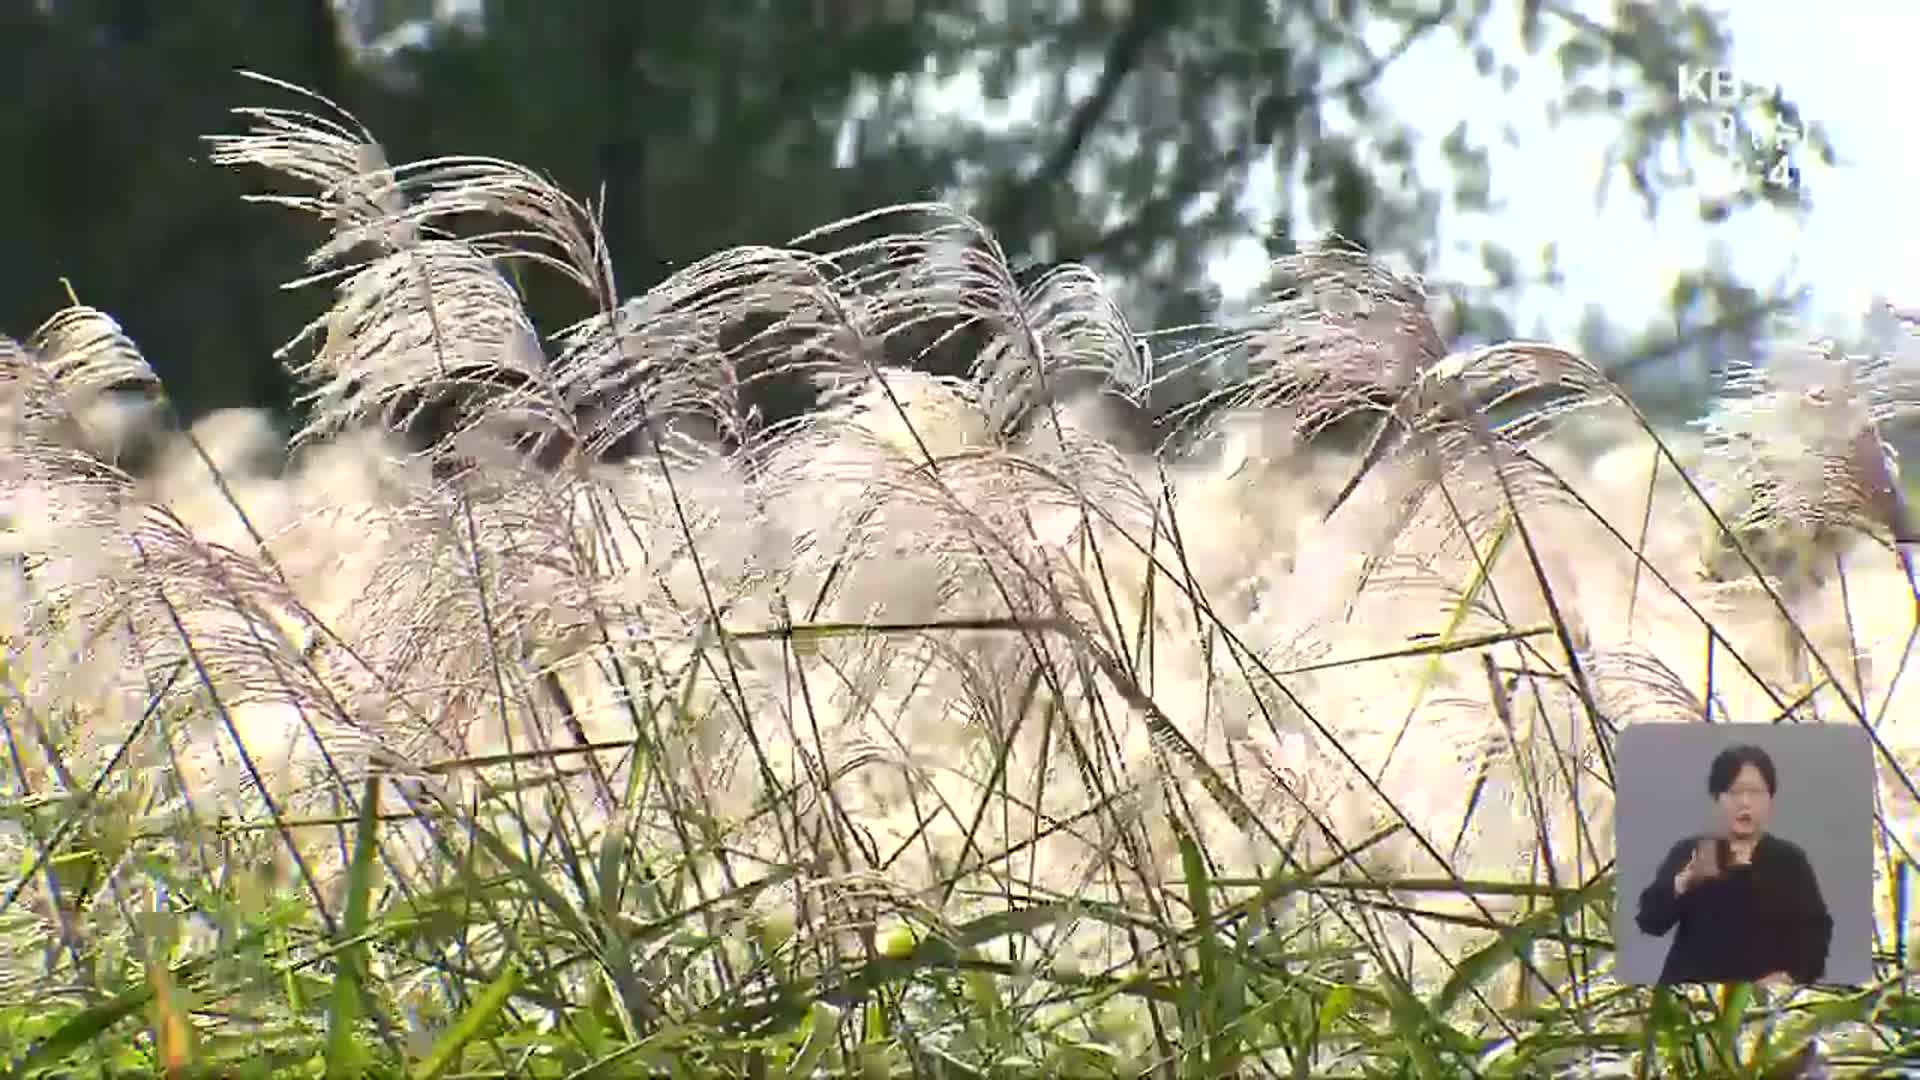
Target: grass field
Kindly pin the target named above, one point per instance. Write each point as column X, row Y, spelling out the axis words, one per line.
column 943, row 732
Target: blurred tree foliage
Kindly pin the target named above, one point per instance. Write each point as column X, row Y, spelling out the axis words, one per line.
column 710, row 124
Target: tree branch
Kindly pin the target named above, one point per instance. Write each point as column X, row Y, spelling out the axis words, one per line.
column 1731, row 322
column 1161, row 212
column 1150, row 18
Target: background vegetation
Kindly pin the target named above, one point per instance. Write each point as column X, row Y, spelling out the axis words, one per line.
column 1123, row 135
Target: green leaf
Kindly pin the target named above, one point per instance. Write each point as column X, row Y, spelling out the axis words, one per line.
column 1413, row 1022
column 471, row 1023
column 1858, row 1008
column 1338, row 1003
column 823, row 1023
column 344, row 1054
column 1514, row 942
column 1199, row 999
column 1734, row 1000
column 611, row 864
column 89, row 1024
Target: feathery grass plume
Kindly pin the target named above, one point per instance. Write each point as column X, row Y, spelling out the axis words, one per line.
column 1489, row 400
column 431, row 631
column 1344, row 336
column 917, row 457
column 240, row 620
column 932, row 276
column 1636, row 686
column 428, row 319
column 1798, row 471
column 434, row 326
column 98, row 370
column 62, row 509
column 683, row 356
column 257, row 709
column 48, row 385
column 1076, row 330
column 1797, row 457
column 1340, row 334
column 85, row 352
column 431, row 323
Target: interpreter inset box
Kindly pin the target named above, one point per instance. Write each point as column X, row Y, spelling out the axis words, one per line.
column 1744, row 853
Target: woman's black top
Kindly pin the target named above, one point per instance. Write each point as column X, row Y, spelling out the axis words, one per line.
column 1754, row 919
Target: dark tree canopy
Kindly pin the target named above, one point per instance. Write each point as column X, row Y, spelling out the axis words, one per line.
column 702, row 126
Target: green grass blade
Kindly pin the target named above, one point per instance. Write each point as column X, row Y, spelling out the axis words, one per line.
column 343, row 1051
column 89, row 1024
column 1214, row 1033
column 823, row 1023
column 471, row 1023
column 1817, row 1019
column 1734, row 1000
column 1514, row 942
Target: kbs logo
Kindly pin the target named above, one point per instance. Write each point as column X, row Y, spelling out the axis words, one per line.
column 1761, row 145
column 1720, row 86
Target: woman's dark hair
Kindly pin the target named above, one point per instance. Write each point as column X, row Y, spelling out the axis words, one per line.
column 1728, row 763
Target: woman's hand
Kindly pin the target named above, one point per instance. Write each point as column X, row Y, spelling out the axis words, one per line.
column 1703, row 867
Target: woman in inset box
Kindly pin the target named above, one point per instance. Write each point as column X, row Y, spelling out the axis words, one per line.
column 1746, row 902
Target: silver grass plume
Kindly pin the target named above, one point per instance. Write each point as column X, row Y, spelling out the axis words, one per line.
column 1505, row 395
column 1339, row 333
column 134, row 577
column 1344, row 336
column 1797, row 460
column 430, row 315
column 241, row 635
column 936, row 274
column 61, row 506
column 688, row 349
column 1635, row 686
column 68, row 365
column 422, row 314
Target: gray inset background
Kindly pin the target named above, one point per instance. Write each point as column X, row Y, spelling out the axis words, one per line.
column 1825, row 805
